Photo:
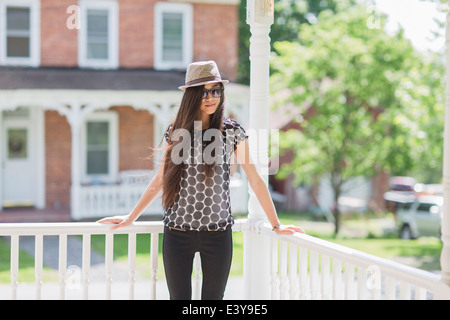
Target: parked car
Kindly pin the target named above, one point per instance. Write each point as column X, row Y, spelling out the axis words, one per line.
column 420, row 218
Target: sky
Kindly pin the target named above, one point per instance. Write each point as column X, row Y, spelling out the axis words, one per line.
column 416, row 18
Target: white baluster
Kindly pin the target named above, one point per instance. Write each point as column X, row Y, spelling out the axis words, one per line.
column 405, row 291
column 325, row 277
column 273, row 268
column 314, row 275
column 109, row 255
column 420, row 294
column 86, row 264
column 362, row 284
column 131, row 263
column 349, row 276
column 62, row 265
column 293, row 258
column 14, row 265
column 338, row 292
column 373, row 283
column 283, row 269
column 38, row 262
column 154, row 262
column 303, row 273
column 390, row 288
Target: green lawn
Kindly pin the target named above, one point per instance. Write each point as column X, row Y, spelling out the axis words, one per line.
column 423, row 252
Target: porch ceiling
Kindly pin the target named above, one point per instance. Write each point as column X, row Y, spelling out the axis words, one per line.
column 89, row 79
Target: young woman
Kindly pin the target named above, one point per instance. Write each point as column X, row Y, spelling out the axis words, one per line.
column 194, row 179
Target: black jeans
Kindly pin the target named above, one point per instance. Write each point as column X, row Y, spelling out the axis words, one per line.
column 216, row 250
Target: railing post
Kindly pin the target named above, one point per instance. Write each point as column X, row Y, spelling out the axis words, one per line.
column 256, row 247
column 445, row 255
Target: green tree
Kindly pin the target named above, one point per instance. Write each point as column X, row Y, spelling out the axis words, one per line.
column 424, row 94
column 346, row 78
column 289, row 16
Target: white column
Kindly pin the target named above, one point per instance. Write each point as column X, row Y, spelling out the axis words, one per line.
column 256, row 247
column 445, row 255
column 1, row 159
column 75, row 119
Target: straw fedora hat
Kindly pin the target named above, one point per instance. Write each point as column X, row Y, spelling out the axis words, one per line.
column 201, row 73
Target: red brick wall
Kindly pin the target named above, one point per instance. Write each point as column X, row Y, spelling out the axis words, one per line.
column 58, row 144
column 136, row 33
column 135, row 138
column 215, row 35
column 59, row 45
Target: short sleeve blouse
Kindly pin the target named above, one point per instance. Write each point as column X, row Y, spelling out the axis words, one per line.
column 203, row 203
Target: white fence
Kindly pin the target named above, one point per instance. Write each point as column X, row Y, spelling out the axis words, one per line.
column 103, row 200
column 305, row 267
column 301, row 266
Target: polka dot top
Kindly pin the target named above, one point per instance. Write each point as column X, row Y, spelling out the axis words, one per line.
column 203, row 203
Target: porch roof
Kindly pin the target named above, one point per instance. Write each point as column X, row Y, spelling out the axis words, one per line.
column 12, row 78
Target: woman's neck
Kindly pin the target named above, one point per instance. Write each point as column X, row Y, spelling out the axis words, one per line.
column 204, row 118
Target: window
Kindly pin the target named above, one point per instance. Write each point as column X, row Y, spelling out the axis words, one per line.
column 17, row 143
column 19, row 32
column 100, row 148
column 173, row 35
column 424, row 208
column 98, row 35
column 97, row 147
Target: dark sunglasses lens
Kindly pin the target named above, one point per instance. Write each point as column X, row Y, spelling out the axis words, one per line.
column 216, row 93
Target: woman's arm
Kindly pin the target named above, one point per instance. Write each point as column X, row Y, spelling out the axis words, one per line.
column 147, row 197
column 261, row 191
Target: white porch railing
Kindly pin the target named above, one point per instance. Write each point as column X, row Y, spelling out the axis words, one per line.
column 305, row 267
column 102, row 200
column 301, row 266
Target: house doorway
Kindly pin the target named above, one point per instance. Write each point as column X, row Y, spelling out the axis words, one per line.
column 18, row 159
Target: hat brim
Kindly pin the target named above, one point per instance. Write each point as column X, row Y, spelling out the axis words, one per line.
column 224, row 82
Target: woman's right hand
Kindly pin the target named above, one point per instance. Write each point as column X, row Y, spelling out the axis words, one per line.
column 119, row 221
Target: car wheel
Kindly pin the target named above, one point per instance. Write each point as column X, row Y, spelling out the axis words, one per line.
column 406, row 233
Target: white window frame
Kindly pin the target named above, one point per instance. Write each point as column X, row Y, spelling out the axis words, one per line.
column 113, row 120
column 186, row 10
column 35, row 30
column 113, row 34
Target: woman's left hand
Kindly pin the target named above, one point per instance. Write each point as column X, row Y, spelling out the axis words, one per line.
column 288, row 229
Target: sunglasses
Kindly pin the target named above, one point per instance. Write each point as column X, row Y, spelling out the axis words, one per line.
column 215, row 93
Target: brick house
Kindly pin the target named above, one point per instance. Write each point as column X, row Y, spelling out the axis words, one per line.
column 88, row 86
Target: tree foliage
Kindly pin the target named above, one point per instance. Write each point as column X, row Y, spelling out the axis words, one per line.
column 289, row 16
column 357, row 89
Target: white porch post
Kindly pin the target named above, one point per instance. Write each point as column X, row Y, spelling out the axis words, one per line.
column 74, row 119
column 256, row 247
column 1, row 161
column 445, row 255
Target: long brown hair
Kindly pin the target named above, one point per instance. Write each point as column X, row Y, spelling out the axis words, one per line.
column 186, row 115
